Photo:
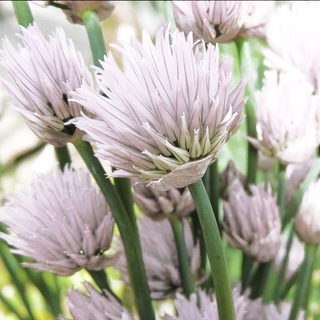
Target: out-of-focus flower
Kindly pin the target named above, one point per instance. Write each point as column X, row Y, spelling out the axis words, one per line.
column 74, row 9
column 307, row 222
column 62, row 222
column 212, row 21
column 160, row 256
column 161, row 204
column 295, row 46
column 95, row 306
column 286, row 119
column 206, row 307
column 255, row 16
column 257, row 310
column 168, row 116
column 227, row 176
column 295, row 174
column 252, row 223
column 296, row 256
column 44, row 73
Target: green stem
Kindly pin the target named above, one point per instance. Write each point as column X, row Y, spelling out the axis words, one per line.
column 283, row 268
column 285, row 288
column 303, row 287
column 247, row 265
column 260, row 279
column 215, row 251
column 291, row 211
column 100, row 278
column 247, row 69
column 184, row 264
column 215, row 191
column 123, row 187
column 129, row 237
column 93, row 26
column 23, row 13
column 281, row 188
column 63, row 156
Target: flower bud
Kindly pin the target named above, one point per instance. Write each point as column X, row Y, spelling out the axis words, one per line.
column 252, row 223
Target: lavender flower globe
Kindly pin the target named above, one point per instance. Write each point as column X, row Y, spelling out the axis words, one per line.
column 167, row 117
column 44, row 73
column 62, row 222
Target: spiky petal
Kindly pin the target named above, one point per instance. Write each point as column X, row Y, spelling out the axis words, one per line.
column 44, row 73
column 167, row 117
column 62, row 222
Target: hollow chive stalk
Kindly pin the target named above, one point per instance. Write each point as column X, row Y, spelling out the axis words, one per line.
column 302, row 292
column 249, row 109
column 184, row 264
column 281, row 188
column 63, row 156
column 215, row 252
column 93, row 27
column 129, row 237
column 23, row 13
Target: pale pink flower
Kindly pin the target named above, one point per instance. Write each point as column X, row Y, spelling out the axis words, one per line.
column 293, row 36
column 255, row 16
column 161, row 204
column 205, row 308
column 286, row 121
column 74, row 9
column 212, row 21
column 95, row 306
column 296, row 257
column 167, row 117
column 44, row 73
column 252, row 222
column 62, row 222
column 307, row 222
column 160, row 256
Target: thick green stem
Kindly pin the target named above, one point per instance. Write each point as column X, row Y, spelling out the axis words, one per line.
column 93, row 26
column 214, row 250
column 260, row 279
column 63, row 156
column 23, row 13
column 123, row 187
column 100, row 278
column 281, row 188
column 129, row 237
column 247, row 265
column 291, row 211
column 184, row 264
column 247, row 70
column 303, row 287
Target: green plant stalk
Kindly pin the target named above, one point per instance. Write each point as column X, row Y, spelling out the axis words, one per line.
column 285, row 288
column 11, row 306
column 291, row 211
column 282, row 272
column 184, row 264
column 23, row 13
column 63, row 156
column 260, row 279
column 100, row 278
column 303, row 287
column 93, row 27
column 281, row 188
column 215, row 252
column 247, row 265
column 123, row 187
column 247, row 70
column 129, row 237
column 16, row 275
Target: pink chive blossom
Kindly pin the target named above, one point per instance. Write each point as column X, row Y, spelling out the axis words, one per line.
column 168, row 115
column 252, row 222
column 95, row 306
column 44, row 72
column 62, row 222
column 286, row 121
column 212, row 21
